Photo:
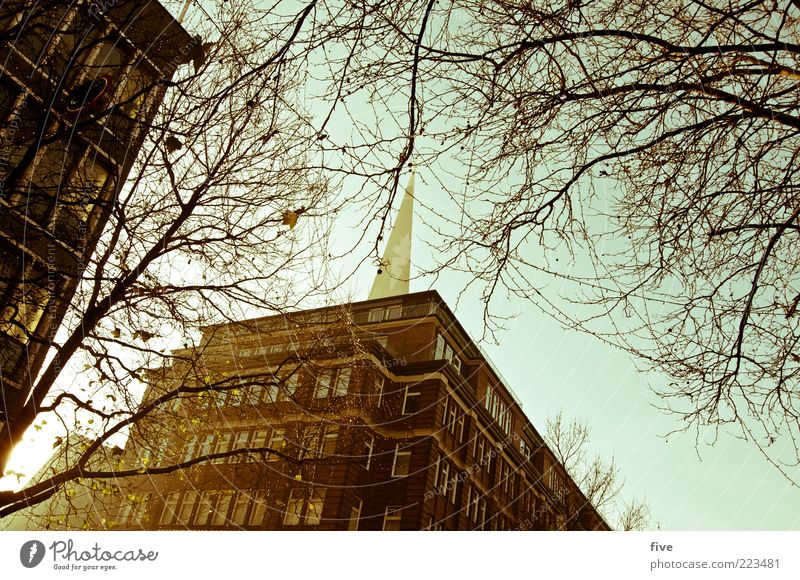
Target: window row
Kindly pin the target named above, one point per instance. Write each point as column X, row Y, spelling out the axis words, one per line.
column 443, row 351
column 498, row 409
column 446, row 478
column 327, row 383
column 213, row 508
column 454, row 419
column 215, row 443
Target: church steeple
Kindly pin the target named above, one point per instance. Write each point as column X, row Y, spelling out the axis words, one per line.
column 394, row 271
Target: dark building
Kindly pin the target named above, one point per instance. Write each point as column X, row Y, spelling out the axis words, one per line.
column 378, row 415
column 79, row 87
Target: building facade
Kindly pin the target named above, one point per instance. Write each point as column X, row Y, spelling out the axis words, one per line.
column 79, row 88
column 378, row 415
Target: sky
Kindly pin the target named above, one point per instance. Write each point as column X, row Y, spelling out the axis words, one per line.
column 688, row 482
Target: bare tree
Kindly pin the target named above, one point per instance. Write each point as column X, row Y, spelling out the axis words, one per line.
column 627, row 166
column 221, row 217
column 599, row 479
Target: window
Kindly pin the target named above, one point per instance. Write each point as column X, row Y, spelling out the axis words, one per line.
column 505, row 474
column 381, row 387
column 204, row 508
column 239, row 512
column 452, row 487
column 443, row 351
column 524, row 449
column 223, row 445
column 401, row 463
column 375, row 315
column 323, row 386
column 221, row 507
column 276, row 442
column 410, row 402
column 444, row 475
column 394, row 312
column 304, row 507
column 355, row 515
column 472, row 505
column 207, row 446
column 479, row 451
column 258, row 510
column 28, row 305
column 392, row 519
column 134, row 511
column 369, row 448
column 314, row 507
column 189, row 449
column 289, row 386
column 452, row 414
column 498, row 409
column 294, row 509
column 332, row 383
column 328, row 443
column 170, row 512
column 187, row 507
column 342, row 382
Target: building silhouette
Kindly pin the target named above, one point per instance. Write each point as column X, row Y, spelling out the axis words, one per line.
column 80, row 83
column 374, row 415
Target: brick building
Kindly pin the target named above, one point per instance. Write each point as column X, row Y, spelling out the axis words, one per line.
column 79, row 87
column 377, row 415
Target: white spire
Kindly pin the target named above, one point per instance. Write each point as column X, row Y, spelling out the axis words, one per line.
column 395, row 268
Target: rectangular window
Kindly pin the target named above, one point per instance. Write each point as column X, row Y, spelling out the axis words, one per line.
column 480, row 450
column 444, row 474
column 452, row 486
column 440, row 344
column 323, row 386
column 524, row 449
column 410, row 402
column 290, row 385
column 392, row 519
column 401, row 463
column 207, row 446
column 355, row 515
column 258, row 510
column 381, row 388
column 276, row 442
column 187, row 507
column 342, row 382
column 170, row 513
column 205, row 507
column 375, row 315
column 302, row 510
column 239, row 512
column 294, row 509
column 369, row 448
column 223, row 445
column 241, row 441
column 452, row 416
column 315, row 505
column 394, row 312
column 223, row 504
column 328, row 444
column 188, row 453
